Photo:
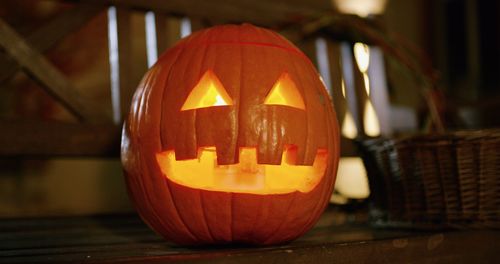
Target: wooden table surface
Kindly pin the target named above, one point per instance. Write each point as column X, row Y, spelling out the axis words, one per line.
column 125, row 239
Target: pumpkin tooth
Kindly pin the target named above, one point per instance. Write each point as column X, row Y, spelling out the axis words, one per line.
column 290, row 154
column 248, row 160
column 309, row 158
column 226, row 155
column 186, row 155
column 270, row 156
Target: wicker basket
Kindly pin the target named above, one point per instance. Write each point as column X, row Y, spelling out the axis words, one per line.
column 430, row 181
column 435, row 181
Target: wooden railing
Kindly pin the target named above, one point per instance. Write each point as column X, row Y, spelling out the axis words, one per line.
column 98, row 130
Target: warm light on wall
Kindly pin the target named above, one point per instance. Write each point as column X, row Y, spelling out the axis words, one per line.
column 370, row 118
column 366, row 81
column 362, row 56
column 349, row 129
column 348, row 126
column 371, row 123
column 361, row 8
column 352, row 181
column 342, row 85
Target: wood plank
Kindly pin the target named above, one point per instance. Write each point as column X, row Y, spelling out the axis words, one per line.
column 173, row 30
column 429, row 248
column 46, row 74
column 132, row 62
column 308, row 46
column 125, row 60
column 168, row 32
column 105, row 239
column 339, row 100
column 161, row 33
column 50, row 33
column 261, row 12
column 42, row 138
column 197, row 23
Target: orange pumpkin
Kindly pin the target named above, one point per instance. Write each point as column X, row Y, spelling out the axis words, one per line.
column 231, row 137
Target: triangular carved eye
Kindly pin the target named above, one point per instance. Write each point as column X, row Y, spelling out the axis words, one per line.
column 208, row 92
column 285, row 92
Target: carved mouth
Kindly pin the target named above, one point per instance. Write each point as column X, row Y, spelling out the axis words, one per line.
column 246, row 176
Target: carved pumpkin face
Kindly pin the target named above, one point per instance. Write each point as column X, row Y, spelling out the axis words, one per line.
column 246, row 175
column 231, row 137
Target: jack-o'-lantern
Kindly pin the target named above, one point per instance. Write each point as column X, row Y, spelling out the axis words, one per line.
column 231, row 137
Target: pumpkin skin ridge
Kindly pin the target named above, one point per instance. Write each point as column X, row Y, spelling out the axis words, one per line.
column 331, row 124
column 156, row 222
column 203, row 197
column 334, row 148
column 276, row 111
column 301, row 86
column 174, row 189
column 284, row 219
column 231, row 199
column 233, row 240
column 153, row 210
column 200, row 196
column 177, row 211
column 238, row 128
column 192, row 114
column 203, row 194
column 271, row 112
column 262, row 216
column 234, row 201
column 260, row 239
column 321, row 184
column 179, row 55
column 314, row 211
column 132, row 194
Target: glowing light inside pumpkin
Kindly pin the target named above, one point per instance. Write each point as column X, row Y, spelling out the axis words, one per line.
column 284, row 92
column 247, row 176
column 208, row 92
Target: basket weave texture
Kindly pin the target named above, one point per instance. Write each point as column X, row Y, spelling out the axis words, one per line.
column 435, row 181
